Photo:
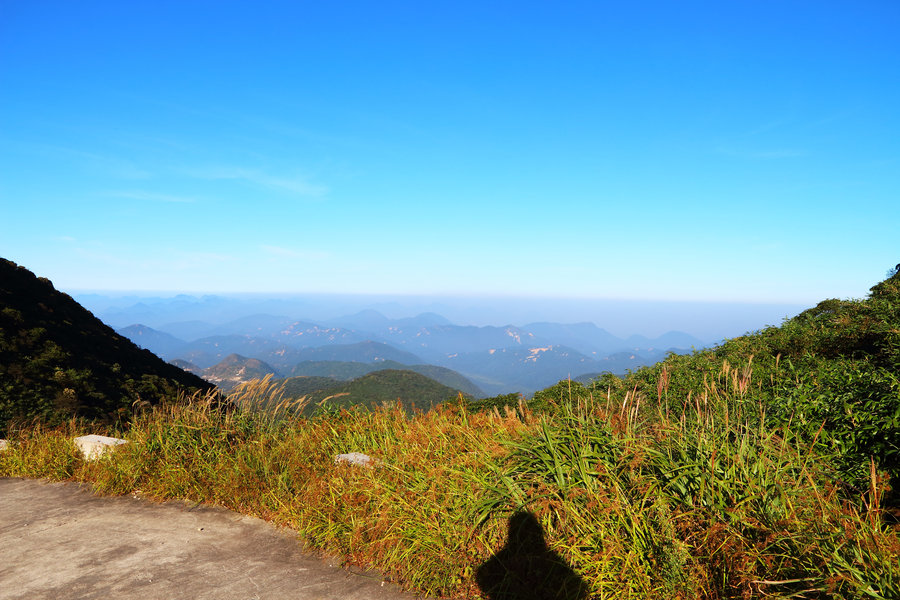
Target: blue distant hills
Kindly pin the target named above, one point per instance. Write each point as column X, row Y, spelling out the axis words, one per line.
column 495, row 359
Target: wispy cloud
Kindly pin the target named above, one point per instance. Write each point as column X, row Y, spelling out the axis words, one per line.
column 291, row 253
column 767, row 127
column 834, row 117
column 102, row 256
column 772, row 246
column 109, row 166
column 885, row 162
column 149, row 196
column 170, row 259
column 296, row 185
column 779, row 153
column 198, row 260
column 774, row 154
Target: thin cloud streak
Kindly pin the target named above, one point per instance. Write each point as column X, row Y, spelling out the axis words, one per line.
column 296, row 185
column 141, row 195
column 110, row 166
column 289, row 253
column 778, row 153
column 171, row 260
column 196, row 260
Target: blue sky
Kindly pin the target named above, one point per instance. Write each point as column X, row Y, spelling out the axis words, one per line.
column 712, row 151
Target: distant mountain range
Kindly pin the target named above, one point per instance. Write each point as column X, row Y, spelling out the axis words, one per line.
column 159, row 342
column 710, row 321
column 493, row 360
column 533, row 368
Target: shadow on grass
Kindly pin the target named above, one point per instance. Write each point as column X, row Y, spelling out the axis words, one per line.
column 526, row 569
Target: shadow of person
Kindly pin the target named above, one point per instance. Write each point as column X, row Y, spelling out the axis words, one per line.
column 526, row 569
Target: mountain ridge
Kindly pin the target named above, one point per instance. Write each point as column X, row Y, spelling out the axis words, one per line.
column 289, row 342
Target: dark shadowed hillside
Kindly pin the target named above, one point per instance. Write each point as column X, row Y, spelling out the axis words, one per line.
column 57, row 360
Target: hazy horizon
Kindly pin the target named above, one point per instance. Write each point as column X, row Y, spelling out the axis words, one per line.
column 709, row 321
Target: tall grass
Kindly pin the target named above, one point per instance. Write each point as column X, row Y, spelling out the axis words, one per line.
column 702, row 503
column 642, row 498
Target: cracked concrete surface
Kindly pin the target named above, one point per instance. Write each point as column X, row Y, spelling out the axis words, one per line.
column 59, row 541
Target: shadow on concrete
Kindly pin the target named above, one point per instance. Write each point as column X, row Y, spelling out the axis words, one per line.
column 526, row 569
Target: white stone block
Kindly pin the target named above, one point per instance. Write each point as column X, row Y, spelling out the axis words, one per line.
column 94, row 446
column 3, row 445
column 356, row 459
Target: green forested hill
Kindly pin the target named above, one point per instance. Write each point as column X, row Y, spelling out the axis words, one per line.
column 832, row 373
column 413, row 390
column 341, row 370
column 58, row 360
column 346, row 370
column 314, row 394
column 303, row 385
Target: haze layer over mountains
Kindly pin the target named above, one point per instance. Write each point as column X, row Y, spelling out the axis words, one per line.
column 312, row 336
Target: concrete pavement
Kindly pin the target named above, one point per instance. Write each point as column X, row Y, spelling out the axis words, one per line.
column 61, row 542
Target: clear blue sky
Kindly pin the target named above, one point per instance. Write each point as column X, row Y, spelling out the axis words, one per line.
column 664, row 150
